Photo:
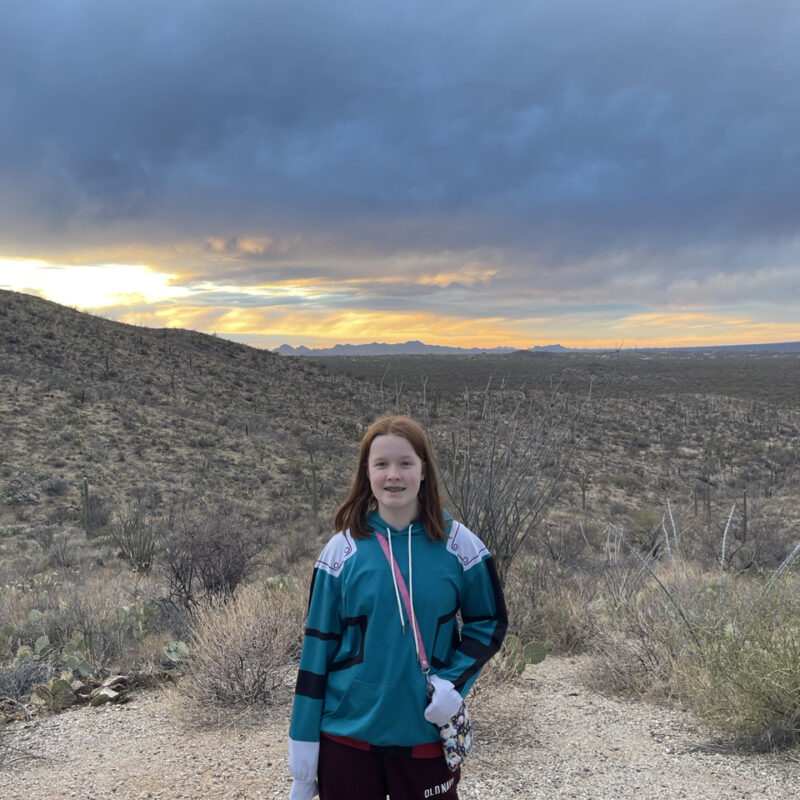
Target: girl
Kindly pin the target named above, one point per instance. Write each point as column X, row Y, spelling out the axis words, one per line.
column 362, row 724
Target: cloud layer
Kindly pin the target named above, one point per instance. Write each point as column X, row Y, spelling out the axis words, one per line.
column 542, row 161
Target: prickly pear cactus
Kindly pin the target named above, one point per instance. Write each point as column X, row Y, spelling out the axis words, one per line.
column 176, row 651
column 55, row 695
column 534, row 652
column 517, row 656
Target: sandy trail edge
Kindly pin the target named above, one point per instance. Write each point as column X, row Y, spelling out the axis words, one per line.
column 549, row 737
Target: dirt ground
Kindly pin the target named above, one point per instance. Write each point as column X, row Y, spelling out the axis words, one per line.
column 548, row 736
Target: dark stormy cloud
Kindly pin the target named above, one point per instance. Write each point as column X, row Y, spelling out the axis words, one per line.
column 542, row 159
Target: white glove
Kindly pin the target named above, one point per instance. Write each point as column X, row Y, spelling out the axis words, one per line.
column 303, row 763
column 445, row 701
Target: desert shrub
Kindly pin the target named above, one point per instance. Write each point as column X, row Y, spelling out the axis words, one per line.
column 33, row 609
column 136, row 531
column 98, row 617
column 635, row 647
column 648, row 600
column 630, row 484
column 551, row 603
column 62, row 552
column 645, row 528
column 743, row 672
column 100, row 613
column 43, row 535
column 244, row 650
column 55, row 487
column 299, row 543
column 210, row 554
column 101, row 511
column 17, row 680
column 728, row 645
column 57, row 545
column 758, row 533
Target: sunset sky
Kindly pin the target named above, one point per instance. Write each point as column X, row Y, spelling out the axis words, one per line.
column 514, row 172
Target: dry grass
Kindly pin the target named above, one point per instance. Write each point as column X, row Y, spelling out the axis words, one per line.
column 743, row 673
column 243, row 653
column 726, row 645
column 551, row 603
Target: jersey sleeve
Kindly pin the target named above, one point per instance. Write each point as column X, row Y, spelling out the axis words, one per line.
column 484, row 618
column 322, row 635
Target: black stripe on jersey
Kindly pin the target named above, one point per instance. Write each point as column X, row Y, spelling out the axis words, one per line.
column 475, row 648
column 477, row 619
column 326, row 637
column 437, row 662
column 311, row 589
column 499, row 633
column 361, row 622
column 500, row 604
column 310, row 684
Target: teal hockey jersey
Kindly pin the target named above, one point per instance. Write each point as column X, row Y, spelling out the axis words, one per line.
column 359, row 676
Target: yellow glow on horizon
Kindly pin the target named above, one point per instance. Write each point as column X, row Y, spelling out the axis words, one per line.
column 696, row 329
column 90, row 287
column 326, row 328
column 275, row 325
column 320, row 312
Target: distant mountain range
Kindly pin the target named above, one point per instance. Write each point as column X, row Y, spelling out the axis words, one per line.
column 400, row 348
column 420, row 348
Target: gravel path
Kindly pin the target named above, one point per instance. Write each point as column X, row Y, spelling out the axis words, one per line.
column 548, row 737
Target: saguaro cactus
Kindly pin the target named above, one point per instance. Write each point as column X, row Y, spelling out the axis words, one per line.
column 87, row 509
column 314, row 485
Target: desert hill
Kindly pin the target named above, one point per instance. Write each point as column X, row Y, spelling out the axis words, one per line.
column 194, row 418
column 130, row 408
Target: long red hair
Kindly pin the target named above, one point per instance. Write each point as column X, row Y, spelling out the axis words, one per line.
column 353, row 512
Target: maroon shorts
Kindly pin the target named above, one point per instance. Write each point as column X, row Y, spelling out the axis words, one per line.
column 349, row 773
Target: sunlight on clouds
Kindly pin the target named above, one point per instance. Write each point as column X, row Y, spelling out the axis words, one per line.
column 90, row 287
column 467, row 278
column 320, row 311
column 278, row 325
column 694, row 329
column 256, row 245
column 240, row 320
column 247, row 245
column 194, row 318
column 360, row 327
column 682, row 319
column 217, row 244
column 273, row 325
column 301, row 290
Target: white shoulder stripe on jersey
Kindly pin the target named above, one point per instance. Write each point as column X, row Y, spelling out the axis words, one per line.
column 336, row 552
column 466, row 546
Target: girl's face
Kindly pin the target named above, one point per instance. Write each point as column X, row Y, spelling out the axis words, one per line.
column 395, row 474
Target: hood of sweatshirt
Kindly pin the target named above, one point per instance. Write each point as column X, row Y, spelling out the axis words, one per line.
column 376, row 522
